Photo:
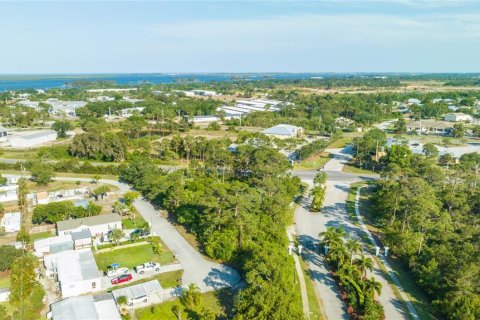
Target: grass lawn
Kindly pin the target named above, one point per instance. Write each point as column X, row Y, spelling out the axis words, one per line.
column 340, row 143
column 4, row 280
column 131, row 223
column 18, row 154
column 167, row 280
column 41, row 235
column 210, row 300
column 313, row 301
column 132, row 256
column 313, row 162
column 350, row 168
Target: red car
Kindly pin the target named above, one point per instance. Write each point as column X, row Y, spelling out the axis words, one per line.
column 121, row 279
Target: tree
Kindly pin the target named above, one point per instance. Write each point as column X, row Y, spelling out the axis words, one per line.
column 372, row 286
column 8, row 254
column 116, row 235
column 476, row 131
column 353, row 246
column 400, row 126
column 122, row 300
column 129, row 197
column 101, row 191
column 42, row 173
column 430, row 150
column 458, row 130
column 96, row 178
column 318, row 195
column 320, row 178
column 177, row 312
column 62, row 127
column 23, row 235
column 191, row 298
column 22, row 278
column 364, row 264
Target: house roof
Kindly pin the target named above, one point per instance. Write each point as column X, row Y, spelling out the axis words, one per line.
column 73, row 266
column 37, row 134
column 281, row 129
column 85, row 307
column 138, row 290
column 430, row 124
column 84, row 234
column 88, row 221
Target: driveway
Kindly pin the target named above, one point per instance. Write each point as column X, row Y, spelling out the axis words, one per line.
column 334, row 214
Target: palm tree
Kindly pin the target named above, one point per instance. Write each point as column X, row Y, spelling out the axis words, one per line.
column 116, row 235
column 339, row 254
column 192, row 297
column 178, row 313
column 320, row 178
column 350, row 271
column 372, row 286
column 354, row 246
column 333, row 235
column 122, row 300
column 364, row 264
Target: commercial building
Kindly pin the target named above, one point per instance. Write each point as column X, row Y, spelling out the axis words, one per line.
column 458, row 117
column 75, row 270
column 31, row 139
column 139, row 293
column 430, row 127
column 11, row 221
column 97, row 225
column 284, row 131
column 100, row 307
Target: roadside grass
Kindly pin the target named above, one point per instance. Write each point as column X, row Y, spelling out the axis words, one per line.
column 41, row 235
column 133, row 256
column 55, row 185
column 350, row 168
column 313, row 301
column 65, row 174
column 5, row 280
column 164, row 311
column 352, row 193
column 132, row 223
column 19, row 154
column 412, row 290
column 341, row 143
column 313, row 162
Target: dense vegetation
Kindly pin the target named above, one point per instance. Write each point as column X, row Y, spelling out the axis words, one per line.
column 63, row 210
column 430, row 218
column 236, row 204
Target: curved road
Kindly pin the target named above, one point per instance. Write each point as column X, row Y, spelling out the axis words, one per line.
column 206, row 274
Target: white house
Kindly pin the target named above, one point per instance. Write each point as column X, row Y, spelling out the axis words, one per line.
column 458, row 117
column 414, row 101
column 52, row 245
column 284, row 131
column 11, row 221
column 127, row 112
column 207, row 93
column 99, row 307
column 429, row 127
column 139, row 293
column 64, row 107
column 97, row 225
column 32, row 139
column 75, row 270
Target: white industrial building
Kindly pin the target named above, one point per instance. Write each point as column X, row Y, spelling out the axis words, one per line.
column 31, row 139
column 243, row 107
column 139, row 293
column 11, row 221
column 97, row 225
column 458, row 117
column 284, row 131
column 75, row 270
column 99, row 307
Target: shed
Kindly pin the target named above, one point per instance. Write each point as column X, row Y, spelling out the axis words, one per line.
column 138, row 293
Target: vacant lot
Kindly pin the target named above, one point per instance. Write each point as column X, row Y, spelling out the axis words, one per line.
column 313, row 162
column 132, row 256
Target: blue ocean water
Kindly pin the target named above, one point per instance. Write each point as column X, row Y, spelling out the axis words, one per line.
column 17, row 82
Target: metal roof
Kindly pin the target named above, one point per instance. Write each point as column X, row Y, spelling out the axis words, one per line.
column 138, row 290
column 100, row 307
column 84, row 234
column 281, row 129
column 88, row 221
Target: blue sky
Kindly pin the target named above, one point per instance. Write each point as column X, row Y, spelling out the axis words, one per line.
column 240, row 36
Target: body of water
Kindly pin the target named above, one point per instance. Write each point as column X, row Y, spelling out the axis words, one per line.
column 18, row 82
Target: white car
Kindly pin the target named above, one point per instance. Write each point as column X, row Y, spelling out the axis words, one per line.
column 149, row 266
column 116, row 272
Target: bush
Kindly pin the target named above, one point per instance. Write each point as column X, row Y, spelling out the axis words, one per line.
column 8, row 254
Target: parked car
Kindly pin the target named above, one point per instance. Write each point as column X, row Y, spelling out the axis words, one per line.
column 139, row 233
column 149, row 266
column 116, row 272
column 122, row 279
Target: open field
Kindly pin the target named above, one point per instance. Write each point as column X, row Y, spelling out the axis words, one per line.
column 314, row 162
column 210, row 301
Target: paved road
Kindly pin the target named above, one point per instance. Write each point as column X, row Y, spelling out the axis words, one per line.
column 206, row 274
column 334, row 213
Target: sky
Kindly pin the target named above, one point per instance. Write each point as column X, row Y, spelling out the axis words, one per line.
column 239, row 36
